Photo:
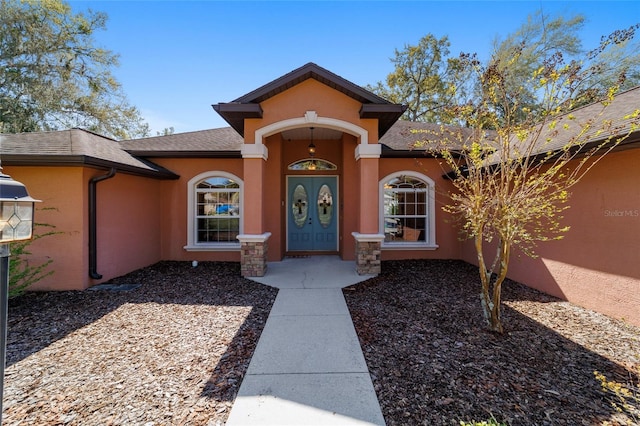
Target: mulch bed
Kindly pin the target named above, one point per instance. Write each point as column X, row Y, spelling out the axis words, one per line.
column 171, row 352
column 174, row 350
column 433, row 362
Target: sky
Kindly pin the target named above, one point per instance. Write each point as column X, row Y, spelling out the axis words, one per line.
column 177, row 58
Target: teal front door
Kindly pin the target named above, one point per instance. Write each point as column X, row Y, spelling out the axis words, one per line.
column 312, row 219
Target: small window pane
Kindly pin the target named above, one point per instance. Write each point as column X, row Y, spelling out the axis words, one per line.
column 218, row 229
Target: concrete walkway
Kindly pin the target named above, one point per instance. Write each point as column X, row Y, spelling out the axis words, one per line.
column 308, row 368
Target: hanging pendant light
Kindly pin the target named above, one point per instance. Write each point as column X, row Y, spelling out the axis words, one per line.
column 312, row 152
column 312, row 147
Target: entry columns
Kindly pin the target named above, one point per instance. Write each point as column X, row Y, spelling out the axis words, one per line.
column 253, row 241
column 368, row 239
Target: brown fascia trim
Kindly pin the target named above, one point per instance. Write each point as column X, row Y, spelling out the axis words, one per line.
column 394, row 153
column 84, row 160
column 388, row 152
column 386, row 114
column 305, row 72
column 235, row 113
column 375, row 110
column 186, row 154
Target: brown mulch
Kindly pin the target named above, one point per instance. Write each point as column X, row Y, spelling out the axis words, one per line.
column 171, row 352
column 434, row 363
column 174, row 350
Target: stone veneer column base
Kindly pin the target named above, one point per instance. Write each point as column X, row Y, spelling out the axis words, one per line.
column 253, row 254
column 368, row 253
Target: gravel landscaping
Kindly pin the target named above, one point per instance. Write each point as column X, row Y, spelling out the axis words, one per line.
column 173, row 350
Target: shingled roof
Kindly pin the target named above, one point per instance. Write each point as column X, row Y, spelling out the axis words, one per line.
column 616, row 118
column 222, row 142
column 74, row 147
column 584, row 128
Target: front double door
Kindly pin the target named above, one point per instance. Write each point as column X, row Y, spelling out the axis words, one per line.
column 312, row 213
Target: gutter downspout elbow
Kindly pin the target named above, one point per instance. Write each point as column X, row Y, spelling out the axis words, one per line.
column 93, row 223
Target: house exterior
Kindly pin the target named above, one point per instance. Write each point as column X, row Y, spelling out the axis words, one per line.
column 256, row 192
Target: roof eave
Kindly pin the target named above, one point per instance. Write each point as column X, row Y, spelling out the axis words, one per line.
column 310, row 70
column 235, row 113
column 186, row 154
column 84, row 160
column 386, row 114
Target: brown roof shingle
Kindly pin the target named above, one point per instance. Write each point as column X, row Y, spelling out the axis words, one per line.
column 74, row 146
column 198, row 143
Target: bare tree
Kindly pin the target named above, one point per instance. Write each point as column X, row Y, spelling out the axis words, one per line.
column 513, row 169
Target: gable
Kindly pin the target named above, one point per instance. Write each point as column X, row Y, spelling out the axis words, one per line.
column 249, row 106
column 310, row 95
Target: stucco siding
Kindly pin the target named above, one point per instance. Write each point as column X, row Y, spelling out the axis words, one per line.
column 63, row 194
column 128, row 224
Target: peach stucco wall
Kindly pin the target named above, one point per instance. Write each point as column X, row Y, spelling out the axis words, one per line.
column 350, row 201
column 310, row 95
column 63, row 192
column 596, row 265
column 274, row 198
column 128, row 223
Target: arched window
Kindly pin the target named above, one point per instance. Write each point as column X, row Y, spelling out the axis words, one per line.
column 407, row 211
column 215, row 211
column 312, row 164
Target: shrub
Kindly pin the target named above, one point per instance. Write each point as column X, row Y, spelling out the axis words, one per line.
column 22, row 274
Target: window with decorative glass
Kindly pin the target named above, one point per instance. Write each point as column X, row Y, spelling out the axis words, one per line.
column 405, row 210
column 312, row 164
column 217, row 210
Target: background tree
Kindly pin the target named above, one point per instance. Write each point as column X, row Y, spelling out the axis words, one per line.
column 52, row 76
column 542, row 37
column 166, row 131
column 525, row 50
column 420, row 80
column 512, row 170
column 424, row 72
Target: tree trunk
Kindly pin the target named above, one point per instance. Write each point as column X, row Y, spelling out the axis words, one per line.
column 490, row 296
column 496, row 321
column 485, row 279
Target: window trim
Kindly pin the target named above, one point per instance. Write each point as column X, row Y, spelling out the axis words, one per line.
column 192, row 244
column 430, row 238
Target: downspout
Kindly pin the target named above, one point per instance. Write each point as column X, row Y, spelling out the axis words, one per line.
column 93, row 223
